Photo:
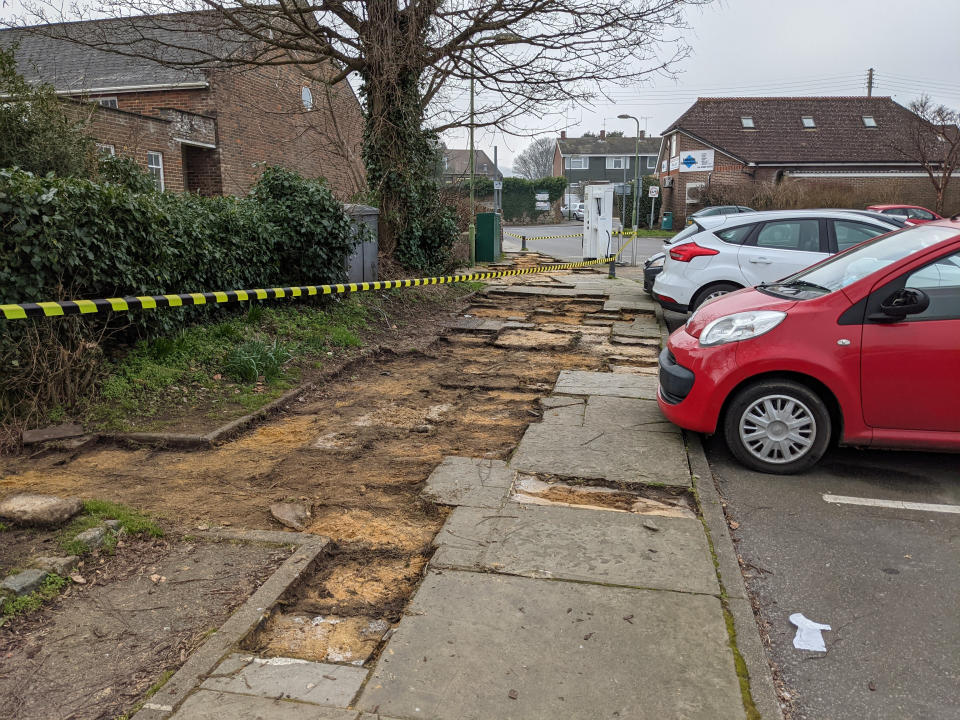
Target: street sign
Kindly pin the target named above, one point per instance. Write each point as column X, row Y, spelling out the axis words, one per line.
column 498, row 184
column 542, row 196
column 621, row 188
column 543, row 205
column 653, row 191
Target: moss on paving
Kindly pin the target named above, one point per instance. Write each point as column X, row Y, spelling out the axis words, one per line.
column 11, row 607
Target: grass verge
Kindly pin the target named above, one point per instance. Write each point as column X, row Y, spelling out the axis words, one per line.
column 11, row 607
column 94, row 513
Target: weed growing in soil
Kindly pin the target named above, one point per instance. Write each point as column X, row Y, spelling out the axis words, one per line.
column 255, row 359
column 13, row 606
column 94, row 513
column 3, row 528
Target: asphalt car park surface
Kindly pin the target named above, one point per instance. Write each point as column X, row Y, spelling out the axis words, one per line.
column 885, row 578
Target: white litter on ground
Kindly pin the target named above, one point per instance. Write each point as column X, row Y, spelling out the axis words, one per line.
column 808, row 635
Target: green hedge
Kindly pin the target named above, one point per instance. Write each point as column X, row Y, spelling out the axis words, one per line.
column 66, row 238
column 519, row 195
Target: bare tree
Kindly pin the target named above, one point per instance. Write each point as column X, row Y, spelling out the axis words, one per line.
column 536, row 160
column 414, row 59
column 933, row 141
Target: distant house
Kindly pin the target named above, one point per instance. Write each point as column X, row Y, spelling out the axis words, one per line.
column 737, row 143
column 602, row 159
column 456, row 165
column 210, row 129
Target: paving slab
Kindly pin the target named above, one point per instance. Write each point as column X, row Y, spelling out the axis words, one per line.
column 568, row 413
column 294, row 679
column 581, row 544
column 640, row 303
column 477, row 324
column 213, row 705
column 473, row 482
column 479, row 646
column 603, row 411
column 583, row 382
column 612, row 454
column 646, row 329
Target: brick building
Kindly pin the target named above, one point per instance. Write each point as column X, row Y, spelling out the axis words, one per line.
column 860, row 147
column 602, row 159
column 456, row 165
column 195, row 125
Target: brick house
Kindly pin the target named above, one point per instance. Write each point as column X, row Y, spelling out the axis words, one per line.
column 208, row 129
column 456, row 165
column 602, row 159
column 728, row 146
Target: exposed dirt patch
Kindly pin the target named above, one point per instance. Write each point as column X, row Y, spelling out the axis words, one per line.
column 531, row 489
column 96, row 649
column 357, row 450
column 20, row 545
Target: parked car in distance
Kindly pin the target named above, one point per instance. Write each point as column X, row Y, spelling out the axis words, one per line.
column 912, row 214
column 572, row 212
column 718, row 210
column 720, row 254
column 861, row 348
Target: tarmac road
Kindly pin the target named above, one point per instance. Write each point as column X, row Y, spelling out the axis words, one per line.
column 570, row 249
column 886, row 579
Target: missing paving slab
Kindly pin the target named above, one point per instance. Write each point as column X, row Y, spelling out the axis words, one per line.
column 549, row 490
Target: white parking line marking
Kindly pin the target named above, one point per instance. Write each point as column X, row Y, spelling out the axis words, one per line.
column 898, row 504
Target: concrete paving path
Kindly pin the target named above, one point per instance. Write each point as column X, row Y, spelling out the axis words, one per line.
column 575, row 581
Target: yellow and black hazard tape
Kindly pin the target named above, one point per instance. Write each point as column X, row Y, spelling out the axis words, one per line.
column 21, row 311
column 542, row 237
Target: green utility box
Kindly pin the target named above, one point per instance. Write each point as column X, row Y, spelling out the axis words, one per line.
column 667, row 222
column 488, row 237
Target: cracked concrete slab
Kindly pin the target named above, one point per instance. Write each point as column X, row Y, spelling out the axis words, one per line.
column 580, row 544
column 582, row 382
column 644, row 329
column 604, row 411
column 639, row 303
column 535, row 340
column 213, row 705
column 473, row 482
column 540, row 650
column 616, row 455
column 294, row 679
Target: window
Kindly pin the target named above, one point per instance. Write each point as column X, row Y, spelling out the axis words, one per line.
column 920, row 214
column 868, row 121
column 895, row 211
column 735, row 235
column 307, row 97
column 746, row 122
column 155, row 168
column 851, row 233
column 618, row 163
column 940, row 280
column 104, row 149
column 651, row 162
column 803, row 235
column 578, row 162
column 110, row 102
column 808, row 122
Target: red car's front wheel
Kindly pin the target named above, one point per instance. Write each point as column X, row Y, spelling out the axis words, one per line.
column 777, row 426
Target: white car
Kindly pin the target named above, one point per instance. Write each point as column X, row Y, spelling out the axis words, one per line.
column 723, row 253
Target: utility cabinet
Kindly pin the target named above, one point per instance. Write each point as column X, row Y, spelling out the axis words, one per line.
column 362, row 263
column 489, row 247
column 597, row 221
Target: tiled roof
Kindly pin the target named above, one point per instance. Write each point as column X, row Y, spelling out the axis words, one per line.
column 55, row 54
column 458, row 163
column 779, row 135
column 608, row 146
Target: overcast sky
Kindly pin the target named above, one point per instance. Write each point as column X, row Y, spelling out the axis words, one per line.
column 782, row 47
column 772, row 47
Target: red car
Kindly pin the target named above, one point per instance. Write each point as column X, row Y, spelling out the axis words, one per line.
column 862, row 348
column 914, row 214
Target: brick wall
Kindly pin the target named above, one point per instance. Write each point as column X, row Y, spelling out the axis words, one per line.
column 134, row 136
column 202, row 170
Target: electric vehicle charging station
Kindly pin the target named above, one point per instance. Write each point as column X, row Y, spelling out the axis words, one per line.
column 597, row 221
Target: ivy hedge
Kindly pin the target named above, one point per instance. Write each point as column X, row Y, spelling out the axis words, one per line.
column 519, row 194
column 69, row 238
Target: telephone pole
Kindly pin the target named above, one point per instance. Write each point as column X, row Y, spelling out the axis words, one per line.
column 870, row 82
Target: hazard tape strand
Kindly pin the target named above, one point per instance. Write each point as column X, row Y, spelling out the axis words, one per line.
column 22, row 311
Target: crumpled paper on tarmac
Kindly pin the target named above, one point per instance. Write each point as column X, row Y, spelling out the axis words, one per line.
column 808, row 635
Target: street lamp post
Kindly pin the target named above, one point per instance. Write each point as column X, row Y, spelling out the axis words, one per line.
column 472, row 230
column 636, row 174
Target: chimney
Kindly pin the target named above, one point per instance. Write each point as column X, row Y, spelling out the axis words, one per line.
column 643, row 134
column 563, row 134
column 603, row 134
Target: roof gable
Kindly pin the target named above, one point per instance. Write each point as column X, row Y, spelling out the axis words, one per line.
column 779, row 135
column 608, row 146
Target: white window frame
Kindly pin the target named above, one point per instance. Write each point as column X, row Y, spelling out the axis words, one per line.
column 106, row 149
column 155, row 163
column 651, row 162
column 306, row 97
column 869, row 121
column 618, row 162
column 747, row 123
column 582, row 162
column 110, row 102
column 808, row 122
